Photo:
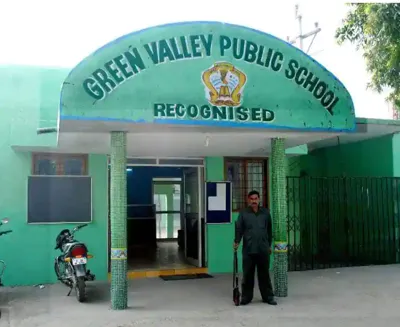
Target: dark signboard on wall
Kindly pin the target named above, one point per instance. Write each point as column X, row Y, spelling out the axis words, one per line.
column 59, row 199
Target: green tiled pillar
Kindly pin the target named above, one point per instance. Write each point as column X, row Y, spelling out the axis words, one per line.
column 119, row 283
column 279, row 213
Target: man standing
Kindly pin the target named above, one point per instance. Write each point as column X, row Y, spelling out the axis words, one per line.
column 254, row 225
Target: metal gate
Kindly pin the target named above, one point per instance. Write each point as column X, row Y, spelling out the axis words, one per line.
column 341, row 222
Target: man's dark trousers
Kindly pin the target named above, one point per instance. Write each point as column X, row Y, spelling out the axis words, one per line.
column 250, row 263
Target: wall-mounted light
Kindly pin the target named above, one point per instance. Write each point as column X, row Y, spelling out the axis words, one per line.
column 128, row 169
column 207, row 140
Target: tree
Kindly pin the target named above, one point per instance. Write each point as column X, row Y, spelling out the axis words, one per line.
column 375, row 28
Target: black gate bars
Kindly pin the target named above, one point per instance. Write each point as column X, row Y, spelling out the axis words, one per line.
column 342, row 221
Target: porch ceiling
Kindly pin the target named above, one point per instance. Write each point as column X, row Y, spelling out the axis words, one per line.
column 149, row 140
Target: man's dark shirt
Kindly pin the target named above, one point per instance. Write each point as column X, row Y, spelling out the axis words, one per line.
column 256, row 230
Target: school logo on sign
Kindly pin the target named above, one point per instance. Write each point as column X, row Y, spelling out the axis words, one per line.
column 224, row 84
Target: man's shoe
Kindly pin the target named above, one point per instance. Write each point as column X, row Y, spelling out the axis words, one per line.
column 244, row 302
column 270, row 301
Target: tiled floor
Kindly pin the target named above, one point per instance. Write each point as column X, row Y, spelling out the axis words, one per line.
column 166, row 256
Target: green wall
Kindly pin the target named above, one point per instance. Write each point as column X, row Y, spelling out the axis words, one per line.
column 374, row 157
column 29, row 98
column 29, row 250
column 219, row 237
column 396, row 154
column 352, row 160
column 371, row 158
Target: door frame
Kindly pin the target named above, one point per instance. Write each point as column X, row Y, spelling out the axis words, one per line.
column 179, row 162
column 201, row 191
column 201, row 246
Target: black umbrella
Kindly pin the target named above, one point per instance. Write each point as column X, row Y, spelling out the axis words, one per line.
column 236, row 291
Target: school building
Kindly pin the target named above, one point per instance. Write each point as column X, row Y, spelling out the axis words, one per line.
column 155, row 140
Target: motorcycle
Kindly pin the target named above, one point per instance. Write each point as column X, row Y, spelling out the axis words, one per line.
column 2, row 263
column 70, row 266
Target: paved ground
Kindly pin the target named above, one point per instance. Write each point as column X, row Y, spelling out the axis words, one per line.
column 348, row 297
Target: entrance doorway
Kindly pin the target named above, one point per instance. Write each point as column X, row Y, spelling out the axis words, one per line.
column 165, row 216
column 168, row 201
column 168, row 204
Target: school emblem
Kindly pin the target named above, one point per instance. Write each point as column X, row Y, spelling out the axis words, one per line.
column 224, row 84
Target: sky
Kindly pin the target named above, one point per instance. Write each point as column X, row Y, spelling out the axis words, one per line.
column 61, row 33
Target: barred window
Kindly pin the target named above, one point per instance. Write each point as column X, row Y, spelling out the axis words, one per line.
column 246, row 175
column 59, row 164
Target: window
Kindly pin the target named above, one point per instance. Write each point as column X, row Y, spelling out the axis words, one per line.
column 59, row 164
column 247, row 175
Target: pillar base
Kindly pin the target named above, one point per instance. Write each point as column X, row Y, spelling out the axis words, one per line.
column 119, row 285
column 280, row 274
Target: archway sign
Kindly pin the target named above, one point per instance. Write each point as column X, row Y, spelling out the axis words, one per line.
column 206, row 73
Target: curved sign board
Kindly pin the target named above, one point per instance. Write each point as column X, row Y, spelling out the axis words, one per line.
column 206, row 73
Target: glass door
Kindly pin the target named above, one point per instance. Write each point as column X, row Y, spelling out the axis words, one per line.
column 193, row 211
column 168, row 202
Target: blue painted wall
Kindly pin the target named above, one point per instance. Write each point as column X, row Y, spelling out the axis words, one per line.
column 139, row 182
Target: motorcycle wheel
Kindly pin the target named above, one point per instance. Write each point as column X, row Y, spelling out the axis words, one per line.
column 80, row 289
column 59, row 275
